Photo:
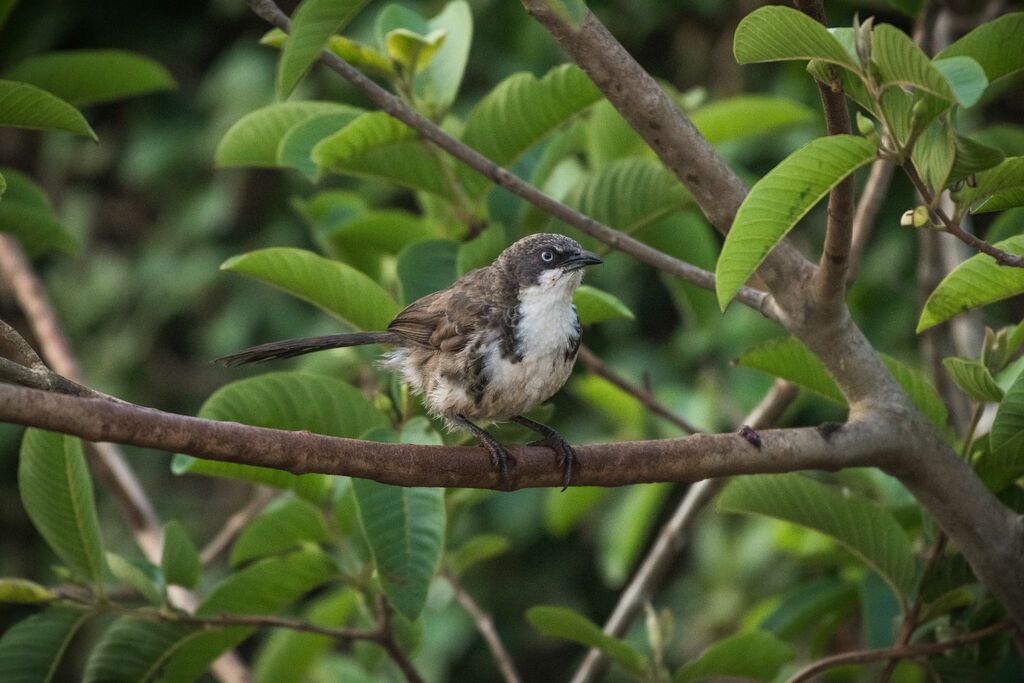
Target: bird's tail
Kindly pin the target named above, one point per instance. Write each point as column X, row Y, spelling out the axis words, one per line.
column 298, row 347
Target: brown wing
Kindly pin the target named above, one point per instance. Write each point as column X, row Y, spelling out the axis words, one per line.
column 447, row 320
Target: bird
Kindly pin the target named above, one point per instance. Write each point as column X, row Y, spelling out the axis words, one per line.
column 498, row 342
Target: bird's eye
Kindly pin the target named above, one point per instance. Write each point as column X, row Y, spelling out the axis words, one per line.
column 547, row 256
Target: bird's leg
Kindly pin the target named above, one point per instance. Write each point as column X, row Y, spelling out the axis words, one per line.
column 556, row 442
column 499, row 456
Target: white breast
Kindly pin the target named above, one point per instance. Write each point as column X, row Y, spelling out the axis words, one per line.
column 546, row 325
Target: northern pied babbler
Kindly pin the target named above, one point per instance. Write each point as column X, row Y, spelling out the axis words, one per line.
column 497, row 343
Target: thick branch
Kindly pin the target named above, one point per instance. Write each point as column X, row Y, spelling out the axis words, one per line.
column 431, row 132
column 613, row 464
column 717, row 190
column 830, row 281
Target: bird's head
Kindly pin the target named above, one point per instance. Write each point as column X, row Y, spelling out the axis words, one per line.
column 546, row 260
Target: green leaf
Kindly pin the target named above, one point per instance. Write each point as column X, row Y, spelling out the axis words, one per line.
column 627, row 528
column 289, row 655
column 902, row 63
column 361, row 56
column 439, row 82
column 755, row 654
column 313, row 22
column 292, row 401
column 864, row 528
column 26, row 106
column 180, row 559
column 478, row 549
column 1005, row 457
column 974, row 379
column 87, row 77
column 426, row 267
column 57, row 493
column 909, row 7
column 564, row 511
column 3, row 186
column 772, row 34
column 995, row 45
column 973, row 157
column 270, row 585
column 411, row 51
column 296, row 146
column 965, row 76
column 560, row 622
column 137, row 576
column 524, row 109
column 27, row 214
column 629, row 194
column 481, row 250
column 780, row 199
column 379, row 146
column 333, row 287
column 254, row 139
column 31, row 650
column 975, row 282
column 404, row 528
column 24, row 592
column 789, row 359
column 747, row 116
column 919, row 389
column 595, row 306
column 134, row 650
column 285, row 524
column 934, row 154
column 1008, row 175
column 1008, row 199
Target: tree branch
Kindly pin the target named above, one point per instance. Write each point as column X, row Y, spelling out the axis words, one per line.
column 431, row 132
column 235, row 523
column 830, row 280
column 672, row 538
column 953, row 228
column 635, row 94
column 613, row 464
column 594, row 364
column 899, row 652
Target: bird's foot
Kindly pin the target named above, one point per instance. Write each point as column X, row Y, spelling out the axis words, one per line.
column 564, row 453
column 500, row 456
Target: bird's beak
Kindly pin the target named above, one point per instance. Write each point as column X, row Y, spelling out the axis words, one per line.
column 581, row 260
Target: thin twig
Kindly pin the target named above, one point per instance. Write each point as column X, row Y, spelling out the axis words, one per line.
column 234, row 525
column 672, row 538
column 830, row 280
column 900, row 652
column 953, row 228
column 868, row 206
column 431, row 132
column 594, row 364
column 485, row 625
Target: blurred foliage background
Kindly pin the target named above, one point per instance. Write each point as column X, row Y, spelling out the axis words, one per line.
column 146, row 308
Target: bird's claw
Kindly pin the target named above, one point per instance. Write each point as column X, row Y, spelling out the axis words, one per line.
column 565, row 456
